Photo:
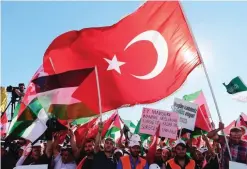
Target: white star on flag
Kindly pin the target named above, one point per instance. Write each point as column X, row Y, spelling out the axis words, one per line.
column 114, row 64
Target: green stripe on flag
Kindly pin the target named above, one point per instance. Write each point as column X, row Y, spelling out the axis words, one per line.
column 111, row 131
column 81, row 120
column 137, row 131
column 17, row 128
column 197, row 132
column 30, row 112
column 129, row 123
column 26, row 128
column 192, row 96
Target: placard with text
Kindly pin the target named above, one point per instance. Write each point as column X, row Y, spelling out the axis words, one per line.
column 152, row 118
column 187, row 112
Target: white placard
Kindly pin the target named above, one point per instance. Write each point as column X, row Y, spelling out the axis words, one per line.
column 235, row 165
column 43, row 166
column 187, row 112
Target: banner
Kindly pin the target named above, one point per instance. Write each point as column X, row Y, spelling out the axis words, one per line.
column 152, row 118
column 43, row 166
column 187, row 112
column 234, row 165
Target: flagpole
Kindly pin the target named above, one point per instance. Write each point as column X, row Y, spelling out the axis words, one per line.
column 208, row 80
column 180, row 133
column 98, row 89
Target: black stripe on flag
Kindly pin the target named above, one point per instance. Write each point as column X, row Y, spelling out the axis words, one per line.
column 71, row 78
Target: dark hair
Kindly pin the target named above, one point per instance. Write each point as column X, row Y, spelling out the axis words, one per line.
column 89, row 140
column 182, row 145
column 110, row 139
column 67, row 149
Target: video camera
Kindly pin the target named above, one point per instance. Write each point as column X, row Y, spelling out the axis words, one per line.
column 20, row 87
column 11, row 89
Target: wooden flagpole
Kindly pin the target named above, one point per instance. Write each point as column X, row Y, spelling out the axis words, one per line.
column 98, row 89
column 208, row 80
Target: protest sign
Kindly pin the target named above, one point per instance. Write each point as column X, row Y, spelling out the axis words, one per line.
column 43, row 166
column 151, row 118
column 234, row 165
column 187, row 113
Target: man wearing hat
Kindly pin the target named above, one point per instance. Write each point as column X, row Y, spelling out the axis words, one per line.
column 32, row 154
column 133, row 160
column 181, row 160
column 238, row 147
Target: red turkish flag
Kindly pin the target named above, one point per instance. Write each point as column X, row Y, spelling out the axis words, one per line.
column 143, row 58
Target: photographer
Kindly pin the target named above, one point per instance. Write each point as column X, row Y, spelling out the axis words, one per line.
column 17, row 92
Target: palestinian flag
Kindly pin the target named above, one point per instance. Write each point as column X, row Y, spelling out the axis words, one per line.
column 130, row 125
column 26, row 128
column 137, row 131
column 114, row 129
column 237, row 89
column 203, row 114
column 54, row 93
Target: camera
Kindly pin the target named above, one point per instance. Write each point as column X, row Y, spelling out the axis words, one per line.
column 20, row 87
column 52, row 123
column 15, row 95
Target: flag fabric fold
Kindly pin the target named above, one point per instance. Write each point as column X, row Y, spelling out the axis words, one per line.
column 54, row 93
column 203, row 114
column 237, row 89
column 28, row 129
column 165, row 47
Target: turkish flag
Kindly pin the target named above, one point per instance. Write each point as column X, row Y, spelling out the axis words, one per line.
column 202, row 119
column 80, row 132
column 143, row 58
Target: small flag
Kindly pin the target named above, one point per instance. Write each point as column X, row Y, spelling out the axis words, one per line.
column 237, row 89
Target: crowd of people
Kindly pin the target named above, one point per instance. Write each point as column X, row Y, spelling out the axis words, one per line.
column 105, row 153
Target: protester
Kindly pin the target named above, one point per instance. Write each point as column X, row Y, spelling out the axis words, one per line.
column 87, row 161
column 65, row 159
column 238, row 147
column 103, row 153
column 133, row 160
column 32, row 155
column 181, row 160
column 166, row 155
column 104, row 158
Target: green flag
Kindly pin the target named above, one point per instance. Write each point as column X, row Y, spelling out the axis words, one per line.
column 137, row 131
column 192, row 97
column 237, row 89
column 236, row 85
